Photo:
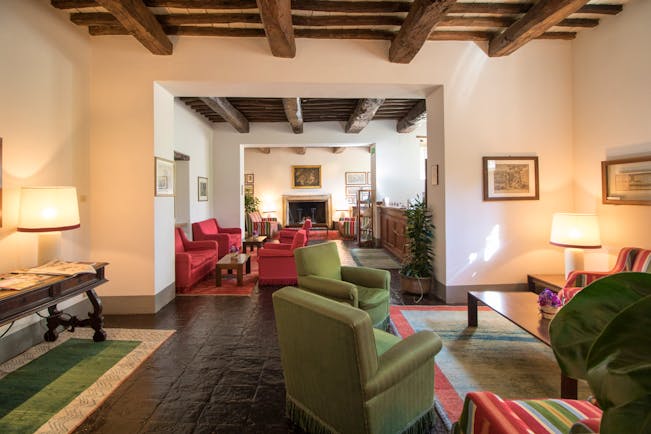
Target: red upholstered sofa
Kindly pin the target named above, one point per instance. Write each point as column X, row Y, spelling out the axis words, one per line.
column 287, row 235
column 194, row 260
column 225, row 237
column 276, row 264
column 628, row 259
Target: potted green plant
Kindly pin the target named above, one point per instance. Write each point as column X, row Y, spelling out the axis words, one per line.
column 251, row 203
column 417, row 270
column 602, row 335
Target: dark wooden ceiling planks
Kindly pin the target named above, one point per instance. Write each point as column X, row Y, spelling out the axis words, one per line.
column 408, row 24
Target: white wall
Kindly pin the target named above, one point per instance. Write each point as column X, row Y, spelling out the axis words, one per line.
column 44, row 123
column 193, row 136
column 612, row 112
column 272, row 173
column 516, row 105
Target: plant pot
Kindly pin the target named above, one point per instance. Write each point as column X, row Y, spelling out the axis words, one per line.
column 415, row 285
column 548, row 312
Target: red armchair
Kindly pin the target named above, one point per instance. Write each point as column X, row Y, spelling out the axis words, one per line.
column 628, row 259
column 225, row 237
column 194, row 260
column 276, row 264
column 287, row 234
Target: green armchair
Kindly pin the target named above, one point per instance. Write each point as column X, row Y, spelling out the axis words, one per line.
column 320, row 271
column 344, row 376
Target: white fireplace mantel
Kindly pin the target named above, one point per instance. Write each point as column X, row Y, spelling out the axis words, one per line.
column 327, row 198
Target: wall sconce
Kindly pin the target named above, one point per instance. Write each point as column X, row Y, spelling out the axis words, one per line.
column 48, row 211
column 575, row 232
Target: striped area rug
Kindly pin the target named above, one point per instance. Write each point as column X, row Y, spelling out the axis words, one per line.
column 374, row 258
column 54, row 386
column 497, row 356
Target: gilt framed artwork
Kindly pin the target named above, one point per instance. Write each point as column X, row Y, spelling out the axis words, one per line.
column 163, row 177
column 306, row 176
column 248, row 178
column 626, row 181
column 510, row 178
column 355, row 178
column 202, row 189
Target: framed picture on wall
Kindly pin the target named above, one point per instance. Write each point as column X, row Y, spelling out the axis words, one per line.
column 163, row 177
column 355, row 178
column 350, row 200
column 626, row 181
column 248, row 190
column 202, row 188
column 351, row 190
column 306, row 176
column 510, row 178
column 248, row 178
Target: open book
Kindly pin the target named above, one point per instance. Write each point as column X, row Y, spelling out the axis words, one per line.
column 61, row 268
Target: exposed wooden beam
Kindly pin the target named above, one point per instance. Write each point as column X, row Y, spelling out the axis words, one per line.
column 363, row 114
column 294, row 114
column 265, row 150
column 140, row 22
column 277, row 21
column 225, row 109
column 347, row 6
column 417, row 114
column 338, row 149
column 300, row 151
column 542, row 15
column 423, row 16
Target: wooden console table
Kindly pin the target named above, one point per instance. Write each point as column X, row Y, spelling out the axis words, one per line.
column 53, row 290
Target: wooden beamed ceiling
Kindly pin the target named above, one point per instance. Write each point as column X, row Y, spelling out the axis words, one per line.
column 408, row 24
column 356, row 113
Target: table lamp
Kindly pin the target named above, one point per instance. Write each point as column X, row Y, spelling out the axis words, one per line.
column 48, row 211
column 575, row 232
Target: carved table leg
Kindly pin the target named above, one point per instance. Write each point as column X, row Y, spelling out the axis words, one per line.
column 52, row 321
column 472, row 311
column 95, row 317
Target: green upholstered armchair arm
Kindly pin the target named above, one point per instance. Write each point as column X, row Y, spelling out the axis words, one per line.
column 330, row 288
column 368, row 277
column 401, row 359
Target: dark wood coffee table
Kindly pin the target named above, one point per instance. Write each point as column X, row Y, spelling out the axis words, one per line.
column 253, row 242
column 227, row 263
column 521, row 308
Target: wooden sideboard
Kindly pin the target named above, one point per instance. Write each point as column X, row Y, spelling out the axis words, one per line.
column 393, row 224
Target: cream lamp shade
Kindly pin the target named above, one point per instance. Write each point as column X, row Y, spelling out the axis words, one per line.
column 48, row 210
column 575, row 232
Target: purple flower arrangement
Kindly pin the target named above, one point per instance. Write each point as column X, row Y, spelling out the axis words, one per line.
column 255, row 233
column 549, row 298
column 234, row 249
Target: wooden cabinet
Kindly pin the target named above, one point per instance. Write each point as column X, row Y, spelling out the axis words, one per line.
column 393, row 224
column 365, row 212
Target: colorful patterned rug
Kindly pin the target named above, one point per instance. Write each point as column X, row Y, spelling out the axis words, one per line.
column 374, row 258
column 54, row 386
column 497, row 356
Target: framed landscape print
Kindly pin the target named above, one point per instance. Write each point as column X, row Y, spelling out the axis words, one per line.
column 627, row 181
column 202, row 188
column 510, row 178
column 248, row 178
column 355, row 178
column 306, row 176
column 163, row 177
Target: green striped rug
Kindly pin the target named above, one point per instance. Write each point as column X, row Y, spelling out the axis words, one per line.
column 54, row 386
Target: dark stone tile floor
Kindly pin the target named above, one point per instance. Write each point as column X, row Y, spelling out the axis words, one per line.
column 219, row 373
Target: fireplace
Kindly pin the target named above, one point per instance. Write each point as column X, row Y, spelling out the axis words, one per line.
column 299, row 207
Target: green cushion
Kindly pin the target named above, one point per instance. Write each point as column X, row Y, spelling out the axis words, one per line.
column 371, row 297
column 384, row 341
column 320, row 260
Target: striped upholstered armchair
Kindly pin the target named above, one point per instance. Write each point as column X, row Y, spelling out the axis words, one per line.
column 262, row 225
column 348, row 228
column 628, row 259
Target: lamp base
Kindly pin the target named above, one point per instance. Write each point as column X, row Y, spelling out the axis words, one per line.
column 48, row 247
column 573, row 260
